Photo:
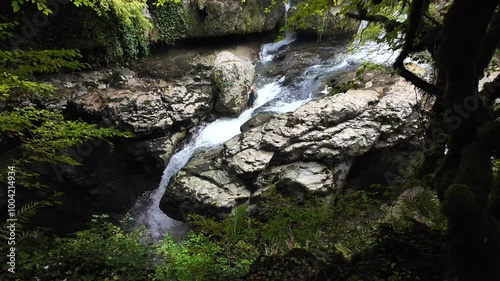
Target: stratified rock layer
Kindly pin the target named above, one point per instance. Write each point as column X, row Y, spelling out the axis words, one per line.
column 309, row 151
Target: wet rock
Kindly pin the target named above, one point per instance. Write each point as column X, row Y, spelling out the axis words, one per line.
column 309, row 151
column 203, row 187
column 256, row 120
column 232, row 77
column 214, row 18
column 299, row 179
column 161, row 148
column 294, row 64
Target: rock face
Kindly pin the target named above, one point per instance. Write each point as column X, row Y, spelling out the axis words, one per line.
column 232, row 77
column 309, row 151
column 147, row 112
column 329, row 25
column 203, row 188
column 159, row 100
column 213, row 18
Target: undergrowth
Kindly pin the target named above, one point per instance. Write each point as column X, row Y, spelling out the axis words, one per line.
column 304, row 236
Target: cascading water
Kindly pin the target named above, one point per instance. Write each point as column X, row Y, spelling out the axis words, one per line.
column 271, row 97
column 146, row 211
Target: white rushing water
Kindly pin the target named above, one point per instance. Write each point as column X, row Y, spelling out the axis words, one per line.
column 271, row 97
column 147, row 212
column 268, row 50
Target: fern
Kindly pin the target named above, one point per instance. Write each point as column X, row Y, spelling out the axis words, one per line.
column 424, row 207
column 23, row 217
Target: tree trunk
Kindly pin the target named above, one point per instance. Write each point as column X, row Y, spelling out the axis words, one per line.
column 464, row 178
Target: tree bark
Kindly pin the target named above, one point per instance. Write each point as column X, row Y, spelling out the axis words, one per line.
column 463, row 180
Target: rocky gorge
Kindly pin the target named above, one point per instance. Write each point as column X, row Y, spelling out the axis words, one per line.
column 305, row 137
column 309, row 152
column 249, row 140
column 326, row 144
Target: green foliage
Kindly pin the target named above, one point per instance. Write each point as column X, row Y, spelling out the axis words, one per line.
column 23, row 215
column 214, row 251
column 392, row 10
column 38, row 135
column 103, row 252
column 121, row 27
column 196, row 259
column 426, row 208
column 43, row 136
column 372, row 32
column 351, row 224
column 227, row 248
column 368, row 66
column 42, row 5
column 170, row 21
column 18, row 67
column 31, row 136
column 344, row 223
column 307, row 12
column 292, row 224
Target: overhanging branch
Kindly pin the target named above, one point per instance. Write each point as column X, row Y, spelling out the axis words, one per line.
column 389, row 24
column 417, row 10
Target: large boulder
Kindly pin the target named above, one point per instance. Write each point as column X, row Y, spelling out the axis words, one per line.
column 202, row 187
column 214, row 18
column 311, row 151
column 232, row 77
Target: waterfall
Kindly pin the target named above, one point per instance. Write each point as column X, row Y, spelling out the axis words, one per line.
column 362, row 25
column 268, row 50
column 146, row 210
column 271, row 97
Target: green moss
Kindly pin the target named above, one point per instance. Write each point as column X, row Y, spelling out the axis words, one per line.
column 121, row 38
column 460, row 201
column 171, row 23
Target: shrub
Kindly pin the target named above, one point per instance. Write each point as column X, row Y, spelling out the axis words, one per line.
column 103, row 252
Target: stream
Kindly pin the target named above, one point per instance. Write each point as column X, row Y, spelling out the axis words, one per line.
column 272, row 96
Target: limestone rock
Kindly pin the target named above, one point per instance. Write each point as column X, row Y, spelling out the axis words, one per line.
column 232, row 77
column 250, row 162
column 145, row 113
column 202, row 187
column 299, row 179
column 214, row 18
column 308, row 152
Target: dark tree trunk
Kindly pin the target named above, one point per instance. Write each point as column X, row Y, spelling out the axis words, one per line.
column 464, row 178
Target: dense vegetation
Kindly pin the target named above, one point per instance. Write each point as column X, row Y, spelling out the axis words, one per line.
column 288, row 239
column 450, row 231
